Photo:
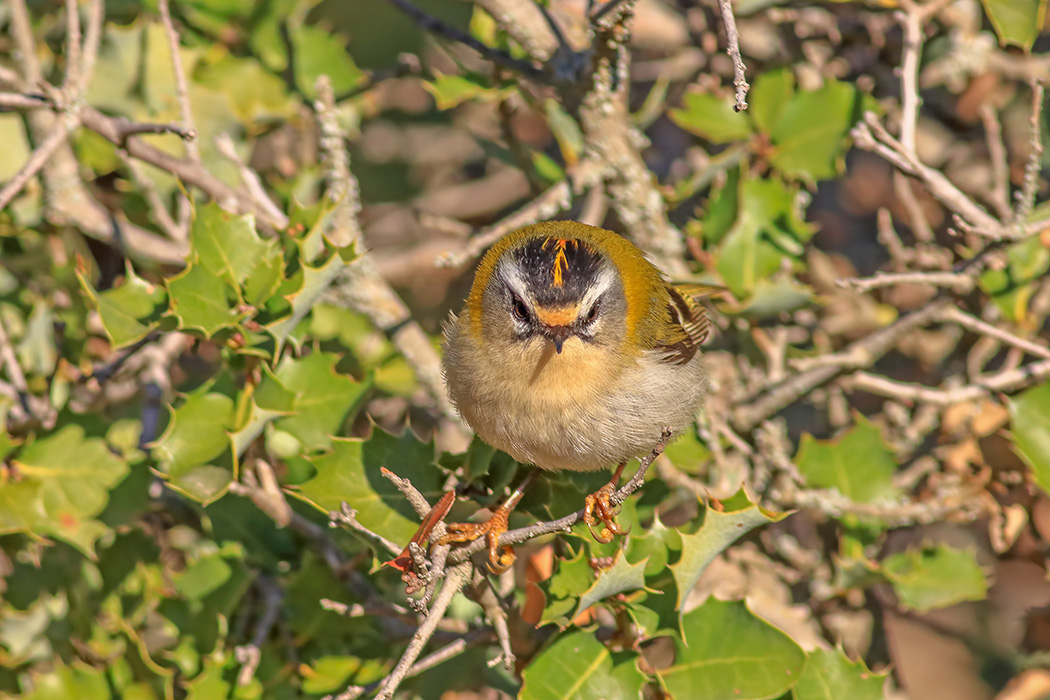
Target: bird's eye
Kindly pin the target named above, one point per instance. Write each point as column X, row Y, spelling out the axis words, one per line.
column 592, row 314
column 521, row 312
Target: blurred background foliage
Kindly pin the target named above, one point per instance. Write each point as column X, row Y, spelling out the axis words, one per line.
column 861, row 512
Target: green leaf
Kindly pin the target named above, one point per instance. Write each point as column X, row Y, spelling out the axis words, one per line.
column 266, row 276
column 731, row 655
column 318, row 52
column 687, row 453
column 935, row 577
column 769, row 96
column 227, row 245
column 350, row 472
column 1017, row 22
column 712, row 118
column 450, row 90
column 723, row 208
column 76, row 682
column 718, row 532
column 201, row 577
column 128, row 311
column 829, row 675
column 329, row 673
column 324, row 399
column 73, row 475
column 198, row 300
column 857, row 463
column 1030, row 429
column 618, row 578
column 197, row 435
column 579, row 667
column 315, row 280
column 810, row 135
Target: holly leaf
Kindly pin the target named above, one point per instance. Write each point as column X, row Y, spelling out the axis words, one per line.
column 314, row 281
column 579, row 667
column 324, row 398
column 350, row 472
column 712, row 118
column 935, row 577
column 857, row 463
column 227, row 245
column 73, row 475
column 829, row 675
column 129, row 311
column 728, row 653
column 618, row 578
column 718, row 532
column 1030, row 429
column 195, row 450
column 810, row 135
column 1017, row 22
column 198, row 300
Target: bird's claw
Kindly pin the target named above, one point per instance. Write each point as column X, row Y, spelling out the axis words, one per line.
column 597, row 508
column 500, row 556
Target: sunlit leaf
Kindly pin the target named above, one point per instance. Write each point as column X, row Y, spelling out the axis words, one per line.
column 1017, row 22
column 74, row 475
column 130, row 310
column 809, row 136
column 829, row 675
column 227, row 245
column 351, row 472
column 857, row 463
column 712, row 118
column 618, row 578
column 198, row 300
column 935, row 577
column 1030, row 429
column 718, row 532
column 579, row 667
column 324, row 398
column 197, row 435
column 729, row 654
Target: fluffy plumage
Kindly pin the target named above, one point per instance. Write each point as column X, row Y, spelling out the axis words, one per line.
column 572, row 351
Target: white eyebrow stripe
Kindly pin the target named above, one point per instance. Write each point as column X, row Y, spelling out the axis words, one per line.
column 511, row 275
column 606, row 279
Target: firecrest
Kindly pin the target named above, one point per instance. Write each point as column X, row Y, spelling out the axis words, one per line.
column 574, row 353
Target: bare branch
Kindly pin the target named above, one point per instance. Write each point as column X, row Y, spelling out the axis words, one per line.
column 564, row 524
column 39, row 158
column 733, row 49
column 182, row 92
column 1030, row 186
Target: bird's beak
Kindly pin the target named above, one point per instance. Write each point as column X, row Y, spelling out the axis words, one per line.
column 557, row 335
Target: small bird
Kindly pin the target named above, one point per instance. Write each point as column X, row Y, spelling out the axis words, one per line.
column 572, row 353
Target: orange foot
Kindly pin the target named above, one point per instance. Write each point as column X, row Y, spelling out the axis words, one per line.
column 500, row 558
column 597, row 508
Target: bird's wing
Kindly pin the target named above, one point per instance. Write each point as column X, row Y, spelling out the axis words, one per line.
column 689, row 325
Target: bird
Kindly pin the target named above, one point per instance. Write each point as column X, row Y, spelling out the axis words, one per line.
column 572, row 353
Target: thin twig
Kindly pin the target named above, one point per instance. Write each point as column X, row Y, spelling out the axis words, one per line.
column 1000, row 193
column 959, row 281
column 455, row 580
column 39, row 158
column 248, row 655
column 733, row 49
column 252, row 182
column 1030, row 186
column 956, row 315
column 348, row 516
column 565, row 524
column 436, row 26
column 182, row 92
